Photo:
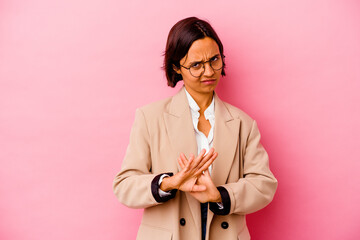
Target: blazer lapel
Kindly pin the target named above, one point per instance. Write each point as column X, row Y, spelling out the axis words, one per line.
column 226, row 137
column 179, row 126
column 182, row 138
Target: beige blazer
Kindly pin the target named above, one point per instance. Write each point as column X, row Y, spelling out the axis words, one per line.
column 164, row 129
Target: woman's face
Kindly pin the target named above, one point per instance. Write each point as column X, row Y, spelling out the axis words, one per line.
column 202, row 50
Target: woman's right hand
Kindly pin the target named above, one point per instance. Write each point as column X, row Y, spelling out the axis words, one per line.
column 186, row 179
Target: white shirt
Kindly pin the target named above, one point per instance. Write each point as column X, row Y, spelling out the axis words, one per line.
column 202, row 141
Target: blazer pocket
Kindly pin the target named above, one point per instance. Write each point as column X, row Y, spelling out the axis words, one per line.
column 147, row 232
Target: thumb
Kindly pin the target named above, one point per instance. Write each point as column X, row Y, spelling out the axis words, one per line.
column 207, row 173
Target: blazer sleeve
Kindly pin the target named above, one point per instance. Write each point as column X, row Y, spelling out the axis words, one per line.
column 257, row 188
column 135, row 186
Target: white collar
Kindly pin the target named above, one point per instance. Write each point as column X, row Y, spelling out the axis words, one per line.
column 209, row 112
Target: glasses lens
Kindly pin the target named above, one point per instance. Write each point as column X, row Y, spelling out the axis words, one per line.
column 216, row 64
column 196, row 69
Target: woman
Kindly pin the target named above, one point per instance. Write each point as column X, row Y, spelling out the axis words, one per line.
column 194, row 163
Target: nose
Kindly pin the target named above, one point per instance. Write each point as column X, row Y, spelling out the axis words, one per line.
column 208, row 70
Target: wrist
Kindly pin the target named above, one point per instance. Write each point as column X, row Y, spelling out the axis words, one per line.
column 217, row 197
column 166, row 184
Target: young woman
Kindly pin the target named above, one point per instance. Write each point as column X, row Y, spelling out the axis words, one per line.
column 194, row 163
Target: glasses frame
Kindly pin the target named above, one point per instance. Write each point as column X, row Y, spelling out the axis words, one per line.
column 203, row 66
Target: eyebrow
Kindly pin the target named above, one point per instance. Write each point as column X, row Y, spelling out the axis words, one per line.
column 216, row 55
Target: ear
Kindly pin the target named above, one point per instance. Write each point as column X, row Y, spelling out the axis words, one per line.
column 176, row 69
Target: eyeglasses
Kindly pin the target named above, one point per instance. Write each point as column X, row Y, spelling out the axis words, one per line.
column 196, row 69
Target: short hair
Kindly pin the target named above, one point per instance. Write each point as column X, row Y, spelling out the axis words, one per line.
column 180, row 38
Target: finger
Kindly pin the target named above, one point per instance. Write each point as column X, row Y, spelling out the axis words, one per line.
column 181, row 163
column 206, row 165
column 191, row 158
column 206, row 158
column 182, row 156
column 201, row 154
column 209, row 154
column 199, row 158
column 207, row 173
column 185, row 161
column 198, row 188
column 190, row 163
column 212, row 150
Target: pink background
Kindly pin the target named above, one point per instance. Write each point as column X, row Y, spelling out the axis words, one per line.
column 73, row 72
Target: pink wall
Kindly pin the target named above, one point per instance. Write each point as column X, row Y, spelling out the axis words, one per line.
column 72, row 73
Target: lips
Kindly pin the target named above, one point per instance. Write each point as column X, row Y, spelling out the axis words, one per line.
column 209, row 81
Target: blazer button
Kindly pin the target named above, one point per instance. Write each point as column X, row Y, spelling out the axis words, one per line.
column 182, row 221
column 224, row 225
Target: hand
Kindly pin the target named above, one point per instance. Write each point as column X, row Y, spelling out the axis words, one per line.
column 186, row 179
column 211, row 193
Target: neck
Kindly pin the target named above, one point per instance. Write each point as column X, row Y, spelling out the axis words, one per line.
column 203, row 100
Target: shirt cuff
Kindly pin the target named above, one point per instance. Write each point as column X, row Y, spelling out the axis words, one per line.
column 161, row 192
column 155, row 187
column 226, row 203
column 220, row 205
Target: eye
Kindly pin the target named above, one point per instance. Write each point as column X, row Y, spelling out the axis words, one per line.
column 213, row 59
column 195, row 65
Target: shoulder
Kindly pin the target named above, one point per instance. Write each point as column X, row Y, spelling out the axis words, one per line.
column 237, row 113
column 248, row 125
column 155, row 109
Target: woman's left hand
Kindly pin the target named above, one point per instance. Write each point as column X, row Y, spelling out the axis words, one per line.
column 211, row 193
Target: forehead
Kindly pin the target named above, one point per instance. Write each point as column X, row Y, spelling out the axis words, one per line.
column 202, row 49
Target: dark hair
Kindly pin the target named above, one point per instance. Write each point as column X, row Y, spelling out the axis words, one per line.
column 180, row 39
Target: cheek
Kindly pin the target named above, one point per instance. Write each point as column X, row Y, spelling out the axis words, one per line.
column 218, row 74
column 187, row 78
